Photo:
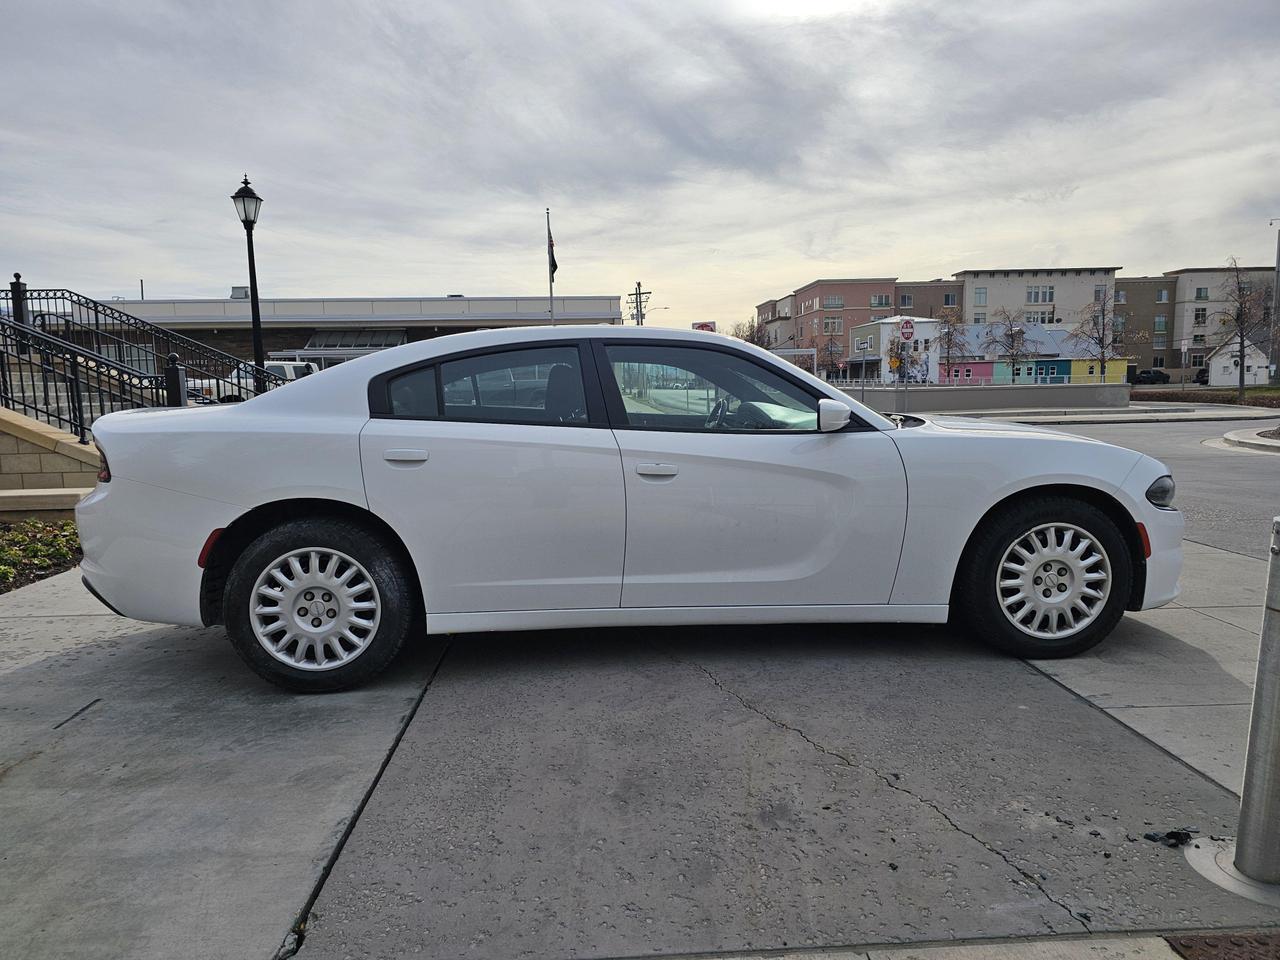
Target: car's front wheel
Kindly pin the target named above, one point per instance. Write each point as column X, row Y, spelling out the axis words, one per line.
column 318, row 605
column 1050, row 577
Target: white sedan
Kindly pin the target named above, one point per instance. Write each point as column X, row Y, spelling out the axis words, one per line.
column 596, row 476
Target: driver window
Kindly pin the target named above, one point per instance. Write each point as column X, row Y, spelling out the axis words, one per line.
column 688, row 388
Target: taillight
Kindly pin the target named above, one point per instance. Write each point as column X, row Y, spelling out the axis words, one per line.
column 104, row 468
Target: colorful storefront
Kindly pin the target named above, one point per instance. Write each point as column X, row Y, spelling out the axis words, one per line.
column 1090, row 371
column 967, row 371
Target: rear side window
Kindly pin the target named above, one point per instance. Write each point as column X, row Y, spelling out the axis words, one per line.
column 537, row 385
column 413, row 394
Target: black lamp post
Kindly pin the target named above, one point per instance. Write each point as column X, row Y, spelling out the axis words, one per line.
column 248, row 203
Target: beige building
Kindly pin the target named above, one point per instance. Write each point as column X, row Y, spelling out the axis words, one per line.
column 1200, row 301
column 927, row 298
column 1054, row 297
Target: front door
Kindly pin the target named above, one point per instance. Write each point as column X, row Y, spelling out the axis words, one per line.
column 733, row 496
column 501, row 475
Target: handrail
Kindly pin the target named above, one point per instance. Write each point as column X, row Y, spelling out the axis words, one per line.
column 95, row 320
column 34, row 365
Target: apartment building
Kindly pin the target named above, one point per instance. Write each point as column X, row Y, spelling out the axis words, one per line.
column 1199, row 302
column 776, row 316
column 827, row 310
column 1053, row 297
column 927, row 298
column 1145, row 307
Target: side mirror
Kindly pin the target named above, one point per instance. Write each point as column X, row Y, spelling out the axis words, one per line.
column 832, row 415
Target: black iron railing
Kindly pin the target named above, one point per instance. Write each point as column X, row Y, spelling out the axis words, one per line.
column 134, row 343
column 62, row 384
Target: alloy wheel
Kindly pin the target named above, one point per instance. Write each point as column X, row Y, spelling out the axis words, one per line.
column 1053, row 581
column 314, row 608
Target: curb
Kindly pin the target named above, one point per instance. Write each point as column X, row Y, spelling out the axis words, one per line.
column 1250, row 440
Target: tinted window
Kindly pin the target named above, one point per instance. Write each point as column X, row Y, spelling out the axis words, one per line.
column 685, row 388
column 413, row 394
column 539, row 385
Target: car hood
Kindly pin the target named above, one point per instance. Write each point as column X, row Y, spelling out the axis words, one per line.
column 995, row 428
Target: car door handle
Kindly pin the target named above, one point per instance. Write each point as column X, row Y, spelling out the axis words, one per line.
column 657, row 469
column 404, row 456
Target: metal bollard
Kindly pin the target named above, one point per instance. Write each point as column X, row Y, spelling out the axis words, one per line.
column 175, row 383
column 1258, row 837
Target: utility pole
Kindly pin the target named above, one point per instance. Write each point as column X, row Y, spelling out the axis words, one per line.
column 1275, row 306
column 638, row 301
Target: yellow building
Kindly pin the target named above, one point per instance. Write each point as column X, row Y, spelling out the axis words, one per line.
column 1090, row 371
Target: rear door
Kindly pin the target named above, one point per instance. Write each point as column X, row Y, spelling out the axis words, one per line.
column 733, row 496
column 499, row 471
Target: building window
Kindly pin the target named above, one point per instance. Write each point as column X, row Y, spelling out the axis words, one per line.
column 906, row 300
column 1159, row 342
column 1042, row 293
column 1197, row 339
column 1091, row 369
column 979, row 318
column 948, row 299
column 1122, row 296
column 1162, row 296
column 880, row 300
column 1099, row 292
column 1202, row 314
column 830, row 302
column 1202, row 293
column 979, row 296
column 878, row 317
column 1197, row 359
column 1157, row 361
column 832, row 325
column 968, row 373
column 1160, row 324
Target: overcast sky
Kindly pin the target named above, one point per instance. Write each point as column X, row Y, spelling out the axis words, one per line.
column 722, row 152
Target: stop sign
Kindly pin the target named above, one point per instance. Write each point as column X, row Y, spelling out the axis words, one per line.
column 906, row 330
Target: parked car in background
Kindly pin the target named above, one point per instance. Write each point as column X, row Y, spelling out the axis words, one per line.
column 240, row 387
column 1150, row 376
column 424, row 489
column 1202, row 376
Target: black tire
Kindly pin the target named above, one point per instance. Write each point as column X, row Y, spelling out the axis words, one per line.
column 976, row 597
column 395, row 596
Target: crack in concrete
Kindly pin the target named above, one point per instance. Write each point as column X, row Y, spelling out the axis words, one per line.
column 892, row 784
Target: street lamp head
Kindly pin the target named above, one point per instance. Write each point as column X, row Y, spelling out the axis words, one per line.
column 247, row 202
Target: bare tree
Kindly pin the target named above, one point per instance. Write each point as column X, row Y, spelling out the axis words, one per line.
column 754, row 331
column 1246, row 318
column 1102, row 334
column 951, row 337
column 1007, row 337
column 830, row 353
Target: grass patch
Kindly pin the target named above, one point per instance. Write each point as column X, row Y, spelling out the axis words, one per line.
column 31, row 550
column 1254, row 396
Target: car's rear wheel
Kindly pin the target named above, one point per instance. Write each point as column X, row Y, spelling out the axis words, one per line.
column 318, row 605
column 1049, row 577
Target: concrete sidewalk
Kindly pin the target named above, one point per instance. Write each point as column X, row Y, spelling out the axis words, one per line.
column 156, row 798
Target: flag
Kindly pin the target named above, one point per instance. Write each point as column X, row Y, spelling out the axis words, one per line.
column 551, row 250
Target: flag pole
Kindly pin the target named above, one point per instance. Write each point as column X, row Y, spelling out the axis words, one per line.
column 551, row 273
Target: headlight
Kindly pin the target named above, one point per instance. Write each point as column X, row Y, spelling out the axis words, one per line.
column 1161, row 492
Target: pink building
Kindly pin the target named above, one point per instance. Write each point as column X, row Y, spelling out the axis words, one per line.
column 977, row 371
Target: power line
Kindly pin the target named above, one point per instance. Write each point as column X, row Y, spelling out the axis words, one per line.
column 638, row 300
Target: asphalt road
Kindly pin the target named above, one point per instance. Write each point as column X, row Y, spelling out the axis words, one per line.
column 1227, row 495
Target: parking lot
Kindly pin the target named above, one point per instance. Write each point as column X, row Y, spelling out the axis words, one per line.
column 623, row 792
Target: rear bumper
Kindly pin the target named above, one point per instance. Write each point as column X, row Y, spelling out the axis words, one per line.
column 141, row 546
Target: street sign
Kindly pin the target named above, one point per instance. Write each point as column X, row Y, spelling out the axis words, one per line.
column 906, row 330
column 840, row 364
column 707, row 326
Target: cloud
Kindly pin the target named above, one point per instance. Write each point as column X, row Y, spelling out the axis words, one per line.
column 724, row 153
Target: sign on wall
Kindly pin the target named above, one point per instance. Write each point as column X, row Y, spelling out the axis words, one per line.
column 707, row 326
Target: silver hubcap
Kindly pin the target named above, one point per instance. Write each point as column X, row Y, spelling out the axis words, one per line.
column 314, row 609
column 1053, row 581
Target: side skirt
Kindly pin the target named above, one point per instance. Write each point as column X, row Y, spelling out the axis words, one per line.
column 681, row 616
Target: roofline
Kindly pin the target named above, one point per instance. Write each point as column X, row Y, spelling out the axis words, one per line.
column 845, row 280
column 961, row 273
column 1222, row 269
